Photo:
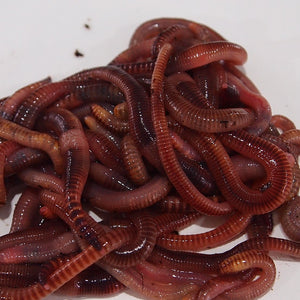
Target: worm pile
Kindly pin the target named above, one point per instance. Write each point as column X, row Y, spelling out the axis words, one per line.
column 113, row 162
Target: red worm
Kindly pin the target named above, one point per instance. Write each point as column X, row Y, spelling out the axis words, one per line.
column 171, row 166
column 97, row 128
column 170, row 275
column 138, row 52
column 170, row 222
column 26, row 236
column 154, row 27
column 12, row 103
column 6, row 148
column 205, row 120
column 282, row 122
column 38, row 179
column 260, row 226
column 244, row 198
column 146, row 287
column 140, row 247
column 109, row 120
column 153, row 191
column 39, row 251
column 22, row 158
column 234, row 226
column 133, row 162
column 253, row 100
column 247, row 260
column 206, row 53
column 290, row 219
column 109, row 178
column 68, row 269
column 173, row 204
column 30, row 138
column 105, row 150
column 121, row 112
column 43, row 97
column 26, row 211
column 92, row 282
column 218, row 286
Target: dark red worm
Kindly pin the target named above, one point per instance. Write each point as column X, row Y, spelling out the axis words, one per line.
column 182, row 184
column 153, row 191
column 12, row 103
column 25, row 214
column 92, row 282
column 234, row 226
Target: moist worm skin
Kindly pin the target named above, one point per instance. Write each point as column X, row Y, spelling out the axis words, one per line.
column 196, row 242
column 30, row 138
column 290, row 219
column 282, row 122
column 26, row 211
column 140, row 247
column 37, row 179
column 12, row 103
column 109, row 178
column 153, row 191
column 121, row 112
column 39, row 251
column 93, row 282
column 44, row 96
column 108, row 119
column 205, row 120
column 182, row 184
column 247, row 260
column 221, row 166
column 97, row 128
column 6, row 148
column 23, row 158
column 27, row 236
column 133, row 162
column 105, row 151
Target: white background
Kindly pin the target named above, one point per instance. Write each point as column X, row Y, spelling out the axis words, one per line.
column 38, row 38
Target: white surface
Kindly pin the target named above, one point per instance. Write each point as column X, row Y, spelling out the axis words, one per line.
column 38, row 38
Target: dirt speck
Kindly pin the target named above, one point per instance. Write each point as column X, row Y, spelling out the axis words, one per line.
column 77, row 53
column 87, row 26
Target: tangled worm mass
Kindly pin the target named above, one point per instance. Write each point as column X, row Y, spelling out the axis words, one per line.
column 113, row 162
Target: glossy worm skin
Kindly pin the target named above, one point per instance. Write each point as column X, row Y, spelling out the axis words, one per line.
column 219, row 236
column 26, row 211
column 246, row 260
column 39, row 251
column 182, row 184
column 12, row 103
column 67, row 270
column 205, row 120
column 22, row 158
column 6, row 148
column 93, row 282
column 259, row 202
column 30, row 138
column 290, row 219
column 114, row 162
column 109, row 178
column 140, row 248
column 22, row 237
column 139, row 198
column 133, row 162
column 97, row 128
column 108, row 119
column 216, row 287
